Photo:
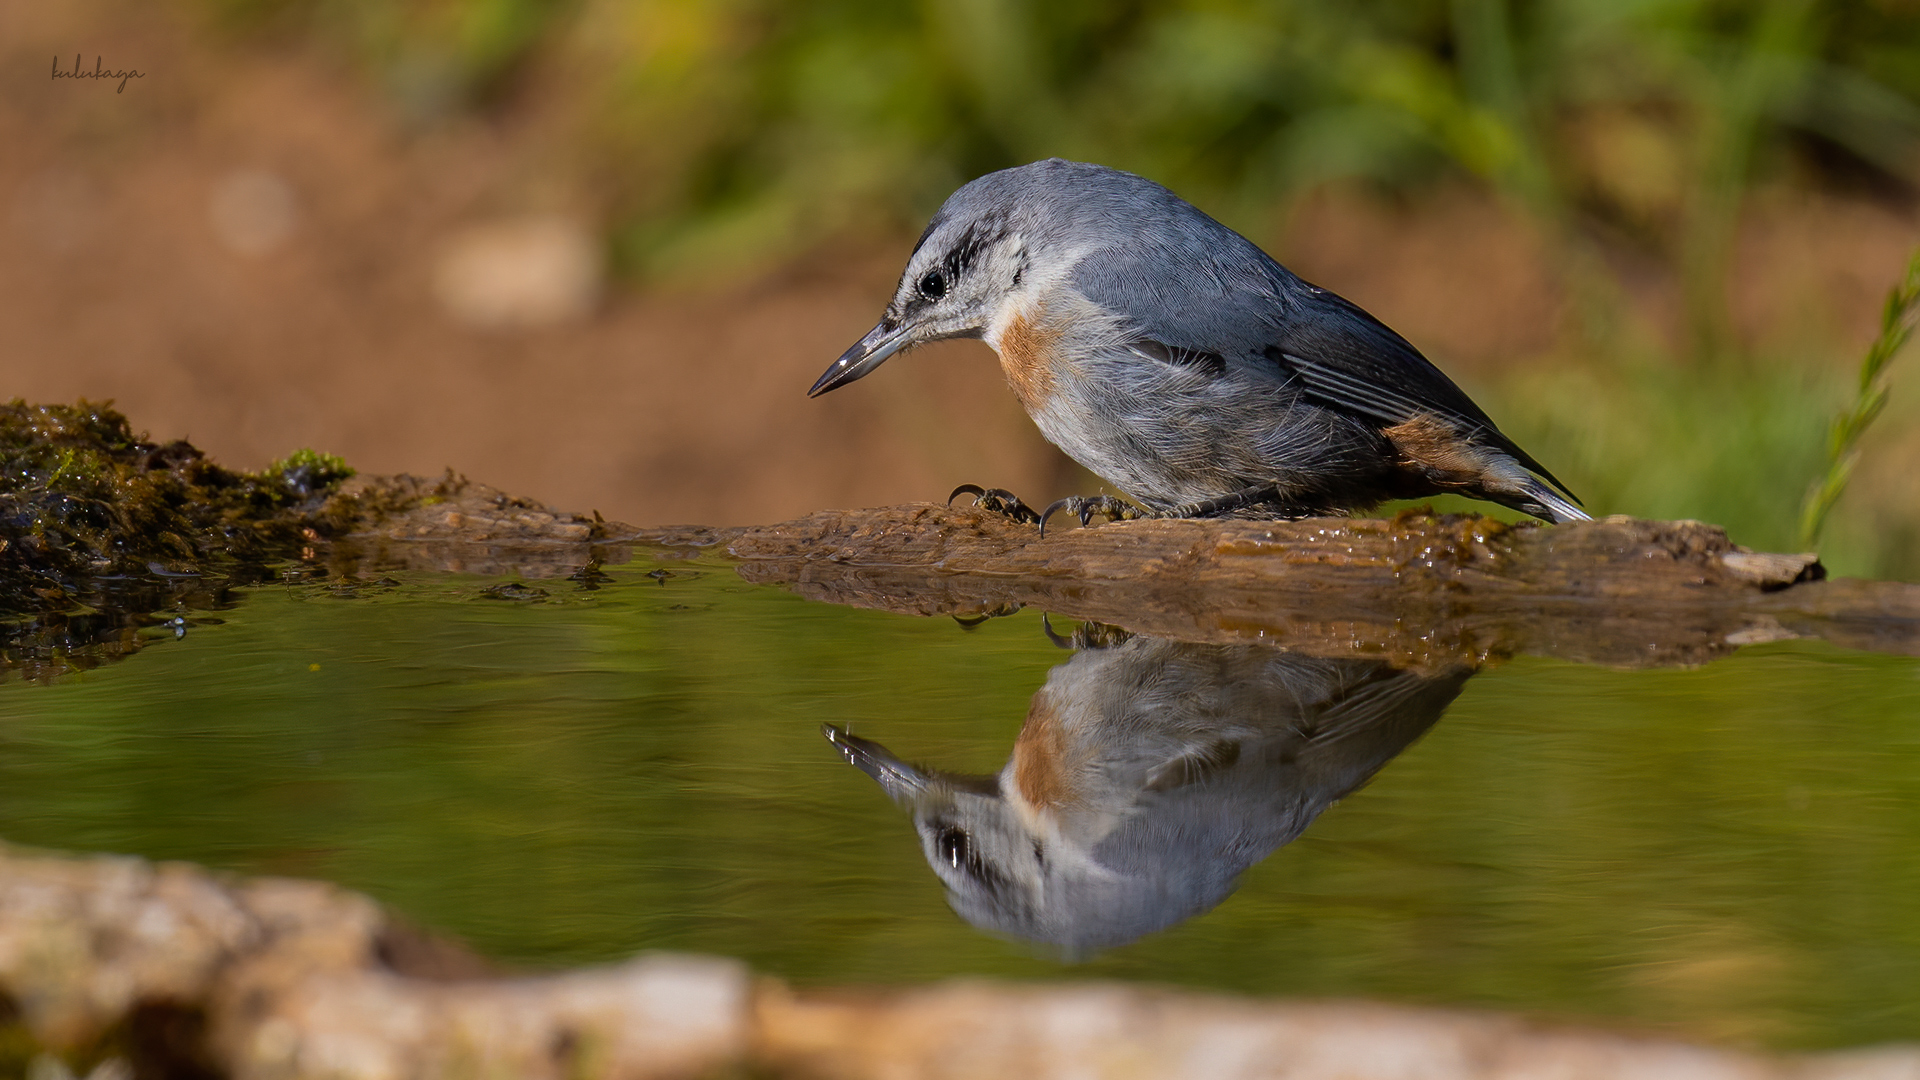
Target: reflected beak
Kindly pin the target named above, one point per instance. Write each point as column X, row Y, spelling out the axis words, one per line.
column 868, row 353
column 898, row 779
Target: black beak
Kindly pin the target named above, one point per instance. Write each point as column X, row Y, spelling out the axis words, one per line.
column 897, row 778
column 885, row 339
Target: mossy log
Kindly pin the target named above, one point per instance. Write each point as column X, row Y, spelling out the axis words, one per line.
column 1620, row 591
column 100, row 520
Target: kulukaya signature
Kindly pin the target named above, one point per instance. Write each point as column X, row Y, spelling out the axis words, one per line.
column 98, row 72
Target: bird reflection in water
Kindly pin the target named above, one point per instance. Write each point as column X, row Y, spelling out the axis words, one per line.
column 1148, row 775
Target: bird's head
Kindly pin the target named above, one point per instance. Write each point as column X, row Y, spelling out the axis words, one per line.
column 994, row 244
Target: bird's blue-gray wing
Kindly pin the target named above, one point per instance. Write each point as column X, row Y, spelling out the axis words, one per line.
column 1232, row 301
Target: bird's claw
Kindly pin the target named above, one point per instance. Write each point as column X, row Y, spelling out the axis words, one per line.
column 998, row 501
column 1085, row 507
column 968, row 622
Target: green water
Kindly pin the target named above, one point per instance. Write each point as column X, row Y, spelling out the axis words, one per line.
column 1729, row 853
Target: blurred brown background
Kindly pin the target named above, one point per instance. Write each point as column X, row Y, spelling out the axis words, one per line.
column 529, row 267
column 322, row 328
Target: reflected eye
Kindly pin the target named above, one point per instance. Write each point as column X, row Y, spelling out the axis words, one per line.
column 952, row 845
column 934, row 285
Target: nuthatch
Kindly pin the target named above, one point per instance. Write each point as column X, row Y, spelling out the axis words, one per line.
column 1148, row 776
column 1173, row 358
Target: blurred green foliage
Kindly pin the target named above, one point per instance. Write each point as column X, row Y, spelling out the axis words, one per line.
column 773, row 124
column 434, row 58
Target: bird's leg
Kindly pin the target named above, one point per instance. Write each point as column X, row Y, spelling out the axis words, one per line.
column 1227, row 504
column 1085, row 506
column 998, row 501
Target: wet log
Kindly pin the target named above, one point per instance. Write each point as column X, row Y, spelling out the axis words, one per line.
column 163, row 523
column 1418, row 587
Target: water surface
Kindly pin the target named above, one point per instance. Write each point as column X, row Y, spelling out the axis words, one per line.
column 564, row 774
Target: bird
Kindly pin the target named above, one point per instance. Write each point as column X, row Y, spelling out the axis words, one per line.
column 1148, row 775
column 1177, row 361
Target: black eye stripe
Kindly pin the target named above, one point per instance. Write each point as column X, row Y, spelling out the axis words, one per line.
column 966, row 248
column 969, row 246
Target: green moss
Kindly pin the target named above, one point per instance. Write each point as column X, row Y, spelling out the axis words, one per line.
column 83, row 500
column 307, row 471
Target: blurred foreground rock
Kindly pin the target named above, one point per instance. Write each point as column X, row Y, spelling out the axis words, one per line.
column 981, row 1029
column 281, row 978
column 168, row 970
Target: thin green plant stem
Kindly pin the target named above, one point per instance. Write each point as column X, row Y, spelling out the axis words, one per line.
column 1843, row 438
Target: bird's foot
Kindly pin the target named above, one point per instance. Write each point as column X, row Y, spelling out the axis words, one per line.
column 1085, row 507
column 998, row 611
column 998, row 501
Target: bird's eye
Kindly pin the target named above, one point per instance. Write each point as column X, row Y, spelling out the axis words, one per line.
column 952, row 844
column 934, row 285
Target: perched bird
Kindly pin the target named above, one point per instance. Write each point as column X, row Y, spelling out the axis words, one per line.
column 1176, row 360
column 1148, row 776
